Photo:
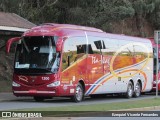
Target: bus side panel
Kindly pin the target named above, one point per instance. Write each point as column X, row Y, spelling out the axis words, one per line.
column 129, row 61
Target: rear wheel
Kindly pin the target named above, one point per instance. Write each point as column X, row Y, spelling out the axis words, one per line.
column 38, row 99
column 79, row 93
column 137, row 91
column 129, row 92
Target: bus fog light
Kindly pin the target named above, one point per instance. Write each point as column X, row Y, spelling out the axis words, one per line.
column 54, row 84
column 14, row 84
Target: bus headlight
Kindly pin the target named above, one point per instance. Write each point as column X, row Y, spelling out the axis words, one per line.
column 14, row 84
column 54, row 84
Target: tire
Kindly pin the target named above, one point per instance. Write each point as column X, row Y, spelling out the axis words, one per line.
column 129, row 92
column 38, row 99
column 137, row 92
column 79, row 93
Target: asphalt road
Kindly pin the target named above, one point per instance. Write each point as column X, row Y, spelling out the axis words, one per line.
column 10, row 102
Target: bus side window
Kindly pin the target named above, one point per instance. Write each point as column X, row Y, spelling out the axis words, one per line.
column 111, row 46
column 74, row 49
column 96, row 45
column 83, row 49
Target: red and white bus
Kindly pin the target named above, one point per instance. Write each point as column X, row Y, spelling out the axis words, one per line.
column 75, row 61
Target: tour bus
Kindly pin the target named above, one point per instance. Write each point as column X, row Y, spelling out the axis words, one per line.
column 53, row 60
column 155, row 64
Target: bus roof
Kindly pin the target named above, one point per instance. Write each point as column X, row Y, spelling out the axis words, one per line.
column 52, row 29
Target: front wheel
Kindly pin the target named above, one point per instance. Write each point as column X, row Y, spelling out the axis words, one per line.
column 129, row 92
column 79, row 93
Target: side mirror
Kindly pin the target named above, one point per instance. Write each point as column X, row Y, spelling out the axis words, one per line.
column 59, row 44
column 10, row 41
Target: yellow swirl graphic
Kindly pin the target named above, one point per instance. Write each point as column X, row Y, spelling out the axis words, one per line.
column 126, row 47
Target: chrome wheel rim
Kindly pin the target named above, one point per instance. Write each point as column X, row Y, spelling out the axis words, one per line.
column 130, row 90
column 79, row 93
column 137, row 89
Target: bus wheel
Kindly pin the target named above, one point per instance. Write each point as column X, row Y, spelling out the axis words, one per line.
column 137, row 91
column 129, row 92
column 38, row 99
column 79, row 93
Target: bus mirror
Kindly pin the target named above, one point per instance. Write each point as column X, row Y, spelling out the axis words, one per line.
column 10, row 41
column 58, row 48
column 59, row 45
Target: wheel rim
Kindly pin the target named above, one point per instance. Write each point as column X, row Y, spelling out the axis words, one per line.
column 130, row 90
column 79, row 93
column 137, row 89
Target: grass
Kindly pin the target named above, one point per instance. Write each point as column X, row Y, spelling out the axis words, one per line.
column 65, row 110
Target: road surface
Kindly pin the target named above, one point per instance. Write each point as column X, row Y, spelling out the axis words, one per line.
column 10, row 102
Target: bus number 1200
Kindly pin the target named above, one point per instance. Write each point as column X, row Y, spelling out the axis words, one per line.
column 45, row 78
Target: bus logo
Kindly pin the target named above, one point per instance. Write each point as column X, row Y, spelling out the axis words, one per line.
column 23, row 78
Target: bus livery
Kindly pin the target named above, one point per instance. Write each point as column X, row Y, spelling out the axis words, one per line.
column 75, row 61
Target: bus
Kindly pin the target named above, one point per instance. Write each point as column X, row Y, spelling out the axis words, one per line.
column 53, row 60
column 155, row 64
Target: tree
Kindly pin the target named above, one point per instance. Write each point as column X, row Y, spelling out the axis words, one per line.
column 96, row 13
column 142, row 8
column 154, row 16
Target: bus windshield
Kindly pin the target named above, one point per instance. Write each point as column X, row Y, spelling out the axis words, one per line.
column 37, row 55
